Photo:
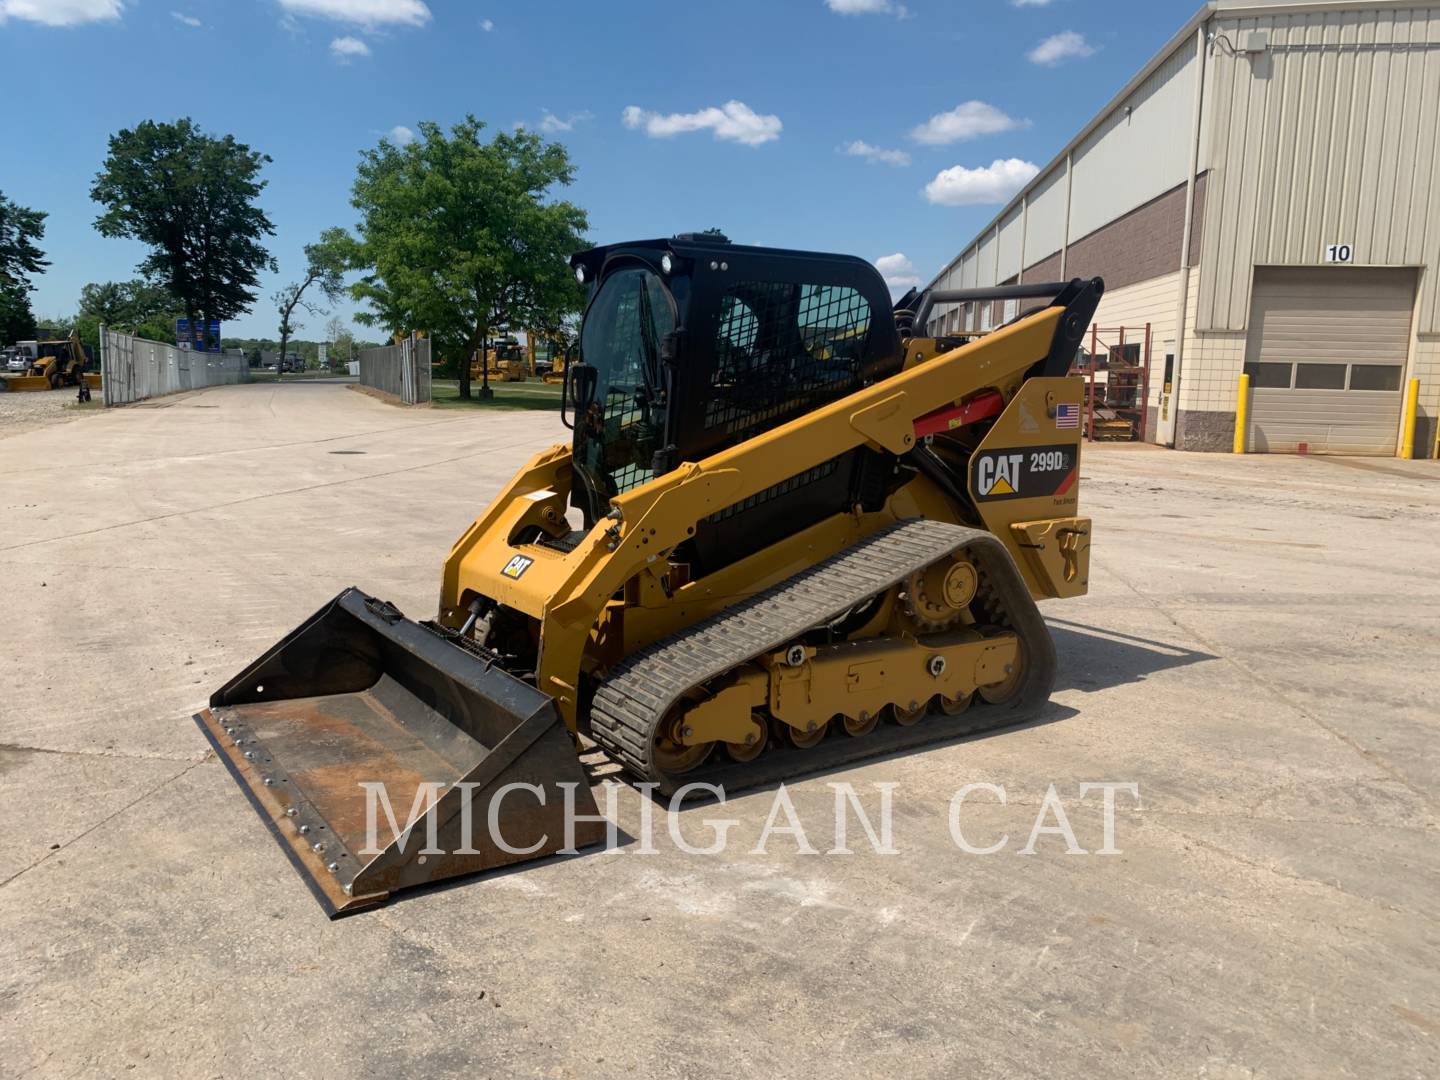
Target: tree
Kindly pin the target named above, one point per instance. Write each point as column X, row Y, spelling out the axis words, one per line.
column 17, row 320
column 20, row 256
column 341, row 339
column 325, row 266
column 139, row 307
column 463, row 236
column 190, row 197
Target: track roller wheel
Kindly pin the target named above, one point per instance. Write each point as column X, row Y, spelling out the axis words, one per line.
column 954, row 706
column 1001, row 692
column 908, row 715
column 802, row 740
column 674, row 757
column 860, row 725
column 743, row 752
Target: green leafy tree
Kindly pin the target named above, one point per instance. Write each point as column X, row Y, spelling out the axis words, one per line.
column 190, row 197
column 17, row 320
column 464, row 237
column 138, row 307
column 21, row 229
column 325, row 266
column 341, row 340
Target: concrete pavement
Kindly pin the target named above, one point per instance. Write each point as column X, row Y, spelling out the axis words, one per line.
column 1257, row 654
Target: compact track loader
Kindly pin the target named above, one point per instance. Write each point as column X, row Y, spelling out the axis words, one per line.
column 789, row 531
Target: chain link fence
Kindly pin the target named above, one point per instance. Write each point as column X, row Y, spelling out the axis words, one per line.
column 133, row 369
column 402, row 370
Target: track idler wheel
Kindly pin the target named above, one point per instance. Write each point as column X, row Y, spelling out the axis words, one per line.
column 1001, row 692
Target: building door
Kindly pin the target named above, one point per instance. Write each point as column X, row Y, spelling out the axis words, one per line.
column 1326, row 355
column 1162, row 430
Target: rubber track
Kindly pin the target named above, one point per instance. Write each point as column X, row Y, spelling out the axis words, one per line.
column 637, row 694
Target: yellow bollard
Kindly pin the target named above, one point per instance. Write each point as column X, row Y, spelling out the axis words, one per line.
column 1242, row 412
column 1407, row 426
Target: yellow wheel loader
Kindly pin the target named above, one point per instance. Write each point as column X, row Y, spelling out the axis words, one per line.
column 789, row 531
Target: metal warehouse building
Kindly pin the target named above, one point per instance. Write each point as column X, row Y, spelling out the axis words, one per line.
column 1263, row 194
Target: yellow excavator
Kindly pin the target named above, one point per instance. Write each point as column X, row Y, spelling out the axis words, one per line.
column 789, row 531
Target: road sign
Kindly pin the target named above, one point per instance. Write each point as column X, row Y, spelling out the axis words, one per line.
column 207, row 332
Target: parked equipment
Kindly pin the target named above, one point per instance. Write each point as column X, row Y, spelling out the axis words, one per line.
column 546, row 355
column 57, row 363
column 807, row 536
column 503, row 362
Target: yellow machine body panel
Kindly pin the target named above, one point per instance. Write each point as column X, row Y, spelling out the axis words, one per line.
column 569, row 592
column 805, row 523
column 1025, row 481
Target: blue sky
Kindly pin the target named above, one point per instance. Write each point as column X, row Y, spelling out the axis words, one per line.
column 863, row 126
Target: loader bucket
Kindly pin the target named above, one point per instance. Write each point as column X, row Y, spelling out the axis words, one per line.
column 360, row 701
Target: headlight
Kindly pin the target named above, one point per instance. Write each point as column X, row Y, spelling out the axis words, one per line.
column 667, row 264
column 580, row 274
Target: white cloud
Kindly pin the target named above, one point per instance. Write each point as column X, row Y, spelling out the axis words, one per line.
column 1030, row 3
column 897, row 270
column 1056, row 49
column 61, row 12
column 734, row 121
column 875, row 154
column 966, row 121
column 487, row 25
column 188, row 20
column 400, row 135
column 366, row 13
column 346, row 47
column 868, row 7
column 994, row 183
column 551, row 124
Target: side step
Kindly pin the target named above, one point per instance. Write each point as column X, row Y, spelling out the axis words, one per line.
column 638, row 693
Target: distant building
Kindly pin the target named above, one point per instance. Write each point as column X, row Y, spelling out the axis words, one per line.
column 1264, row 194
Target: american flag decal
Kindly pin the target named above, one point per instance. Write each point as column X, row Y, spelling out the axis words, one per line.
column 1067, row 416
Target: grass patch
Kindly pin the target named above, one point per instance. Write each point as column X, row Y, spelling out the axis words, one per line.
column 95, row 404
column 445, row 394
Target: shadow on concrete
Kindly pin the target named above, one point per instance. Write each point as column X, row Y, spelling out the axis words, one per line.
column 1095, row 659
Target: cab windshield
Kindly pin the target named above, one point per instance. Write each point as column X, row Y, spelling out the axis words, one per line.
column 619, row 430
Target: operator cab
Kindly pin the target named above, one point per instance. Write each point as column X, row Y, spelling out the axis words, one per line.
column 694, row 344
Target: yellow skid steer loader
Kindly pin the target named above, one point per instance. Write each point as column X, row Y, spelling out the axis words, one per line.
column 789, row 531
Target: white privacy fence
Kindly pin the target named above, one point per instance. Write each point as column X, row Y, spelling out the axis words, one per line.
column 402, row 370
column 133, row 369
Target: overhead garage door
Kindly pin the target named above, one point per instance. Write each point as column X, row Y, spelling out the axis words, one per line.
column 1326, row 357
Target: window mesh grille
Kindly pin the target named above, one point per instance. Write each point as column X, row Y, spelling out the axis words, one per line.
column 781, row 350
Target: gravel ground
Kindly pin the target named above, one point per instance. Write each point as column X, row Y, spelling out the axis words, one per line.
column 21, row 412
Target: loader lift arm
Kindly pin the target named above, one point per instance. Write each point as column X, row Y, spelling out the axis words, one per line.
column 804, row 522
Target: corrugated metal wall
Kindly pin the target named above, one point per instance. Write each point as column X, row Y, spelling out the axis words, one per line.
column 402, row 369
column 1131, row 158
column 1009, row 253
column 133, row 369
column 1331, row 137
column 1045, row 217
